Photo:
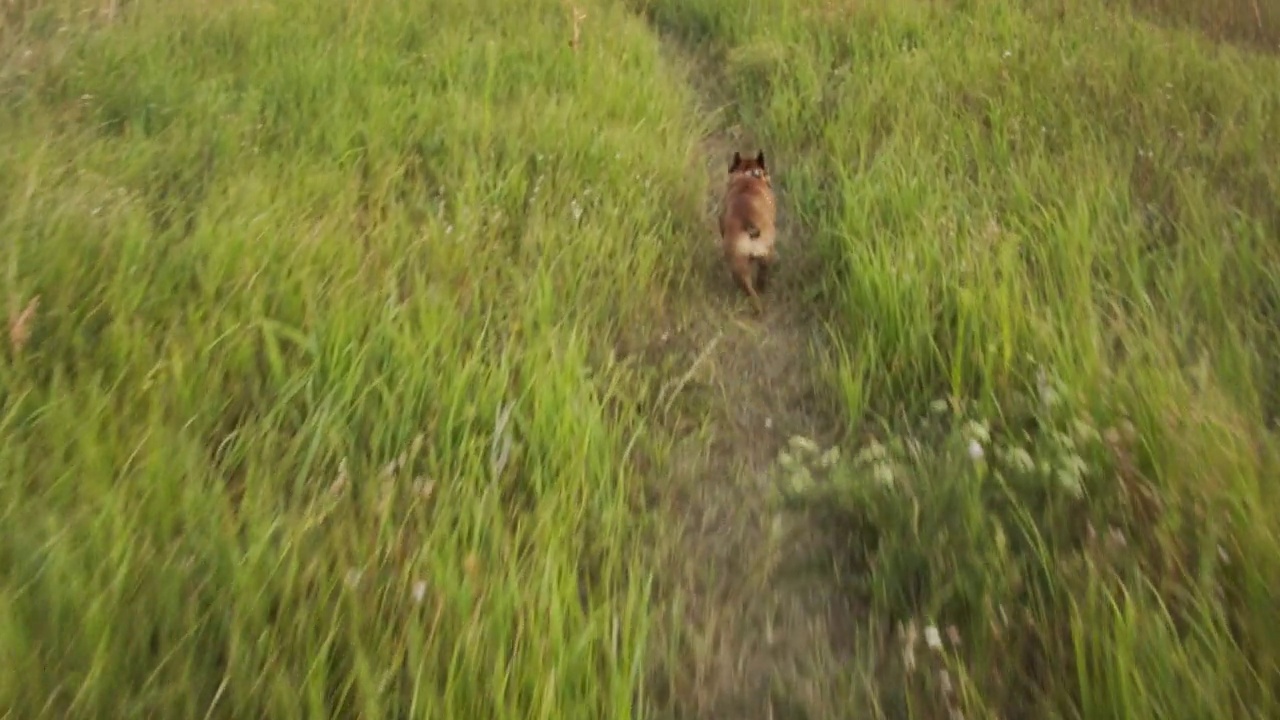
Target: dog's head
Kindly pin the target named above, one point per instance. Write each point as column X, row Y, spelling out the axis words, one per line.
column 749, row 167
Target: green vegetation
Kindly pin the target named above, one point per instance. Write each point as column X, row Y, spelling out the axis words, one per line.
column 295, row 261
column 345, row 393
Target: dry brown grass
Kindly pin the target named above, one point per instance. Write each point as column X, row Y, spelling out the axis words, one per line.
column 1252, row 23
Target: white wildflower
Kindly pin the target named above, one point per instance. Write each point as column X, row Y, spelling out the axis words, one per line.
column 909, row 646
column 1048, row 395
column 933, row 638
column 1021, row 460
column 884, row 474
column 830, row 457
column 1071, row 482
column 977, row 431
column 873, row 452
column 804, row 444
column 786, row 460
column 944, row 680
column 801, row 480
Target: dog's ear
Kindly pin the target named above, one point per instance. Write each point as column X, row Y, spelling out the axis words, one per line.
column 736, row 161
column 760, row 159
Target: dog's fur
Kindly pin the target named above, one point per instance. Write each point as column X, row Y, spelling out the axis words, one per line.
column 748, row 228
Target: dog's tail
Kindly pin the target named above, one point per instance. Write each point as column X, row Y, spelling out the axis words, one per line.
column 750, row 242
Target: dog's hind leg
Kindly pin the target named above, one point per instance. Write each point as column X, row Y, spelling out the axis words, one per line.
column 742, row 267
column 763, row 268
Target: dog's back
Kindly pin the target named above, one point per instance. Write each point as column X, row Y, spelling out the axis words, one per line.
column 748, row 223
column 748, row 209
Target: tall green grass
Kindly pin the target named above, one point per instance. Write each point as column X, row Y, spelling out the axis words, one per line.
column 316, row 417
column 318, row 414
column 1050, row 235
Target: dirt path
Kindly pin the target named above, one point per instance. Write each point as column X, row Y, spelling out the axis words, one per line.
column 760, row 637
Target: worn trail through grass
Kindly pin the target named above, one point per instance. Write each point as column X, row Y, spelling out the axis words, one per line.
column 757, row 638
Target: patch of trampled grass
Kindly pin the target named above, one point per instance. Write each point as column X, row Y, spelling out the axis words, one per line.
column 1254, row 23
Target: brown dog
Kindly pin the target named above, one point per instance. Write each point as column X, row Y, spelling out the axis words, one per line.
column 748, row 227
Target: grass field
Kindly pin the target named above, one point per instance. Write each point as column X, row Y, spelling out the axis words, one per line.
column 374, row 360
